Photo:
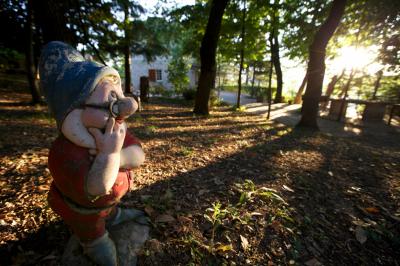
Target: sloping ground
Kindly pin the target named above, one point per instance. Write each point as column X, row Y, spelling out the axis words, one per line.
column 289, row 114
column 232, row 189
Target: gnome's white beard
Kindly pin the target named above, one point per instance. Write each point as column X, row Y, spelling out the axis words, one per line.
column 74, row 130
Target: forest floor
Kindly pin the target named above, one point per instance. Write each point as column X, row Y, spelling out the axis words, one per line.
column 230, row 189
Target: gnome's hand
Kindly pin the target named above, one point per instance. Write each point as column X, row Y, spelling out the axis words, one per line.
column 113, row 138
column 104, row 170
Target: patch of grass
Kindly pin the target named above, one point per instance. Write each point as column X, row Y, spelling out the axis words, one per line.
column 233, row 217
column 210, row 141
column 283, row 132
column 241, row 109
column 186, row 151
column 151, row 130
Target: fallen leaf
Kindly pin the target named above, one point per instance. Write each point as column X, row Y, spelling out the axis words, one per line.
column 154, row 245
column 276, row 225
column 49, row 257
column 372, row 210
column 361, row 235
column 149, row 210
column 313, row 262
column 244, row 242
column 218, row 181
column 288, row 188
column 165, row 218
column 168, row 195
column 224, row 248
column 184, row 219
column 43, row 188
column 203, row 191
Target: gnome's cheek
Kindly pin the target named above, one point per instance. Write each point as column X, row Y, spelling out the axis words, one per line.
column 94, row 118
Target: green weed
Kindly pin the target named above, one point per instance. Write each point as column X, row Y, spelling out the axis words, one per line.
column 186, row 151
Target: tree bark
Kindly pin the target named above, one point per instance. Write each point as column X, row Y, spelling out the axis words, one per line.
column 277, row 65
column 331, row 85
column 86, row 37
column 144, row 89
column 377, row 84
column 330, row 89
column 127, row 52
column 241, row 54
column 207, row 56
column 316, row 65
column 29, row 57
column 51, row 17
column 344, row 94
column 247, row 75
column 127, row 56
column 299, row 94
column 269, row 96
column 346, row 87
column 253, row 78
column 298, row 99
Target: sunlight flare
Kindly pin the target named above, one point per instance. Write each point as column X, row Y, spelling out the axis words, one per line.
column 357, row 58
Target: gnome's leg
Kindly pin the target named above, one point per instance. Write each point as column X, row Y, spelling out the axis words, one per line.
column 90, row 229
column 120, row 216
column 101, row 250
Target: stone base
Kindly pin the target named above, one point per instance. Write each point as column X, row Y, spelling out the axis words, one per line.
column 128, row 237
column 336, row 107
column 374, row 111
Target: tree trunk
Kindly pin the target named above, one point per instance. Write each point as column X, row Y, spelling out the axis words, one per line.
column 29, row 57
column 316, row 65
column 331, row 85
column 247, row 75
column 144, row 89
column 345, row 92
column 51, row 17
column 346, row 87
column 207, row 56
column 85, row 33
column 277, row 65
column 241, row 55
column 127, row 56
column 253, row 78
column 377, row 84
column 330, row 89
column 269, row 96
column 299, row 94
column 127, row 52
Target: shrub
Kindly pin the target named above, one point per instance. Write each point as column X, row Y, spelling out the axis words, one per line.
column 189, row 94
column 177, row 74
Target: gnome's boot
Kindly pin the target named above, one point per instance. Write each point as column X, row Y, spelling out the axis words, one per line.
column 125, row 215
column 101, row 251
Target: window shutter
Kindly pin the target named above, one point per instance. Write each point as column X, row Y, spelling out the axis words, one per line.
column 152, row 74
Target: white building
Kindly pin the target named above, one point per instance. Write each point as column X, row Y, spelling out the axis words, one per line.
column 157, row 72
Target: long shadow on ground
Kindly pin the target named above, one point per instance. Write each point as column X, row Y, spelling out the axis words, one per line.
column 330, row 184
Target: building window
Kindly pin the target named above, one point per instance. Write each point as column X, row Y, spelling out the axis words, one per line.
column 158, row 74
column 155, row 74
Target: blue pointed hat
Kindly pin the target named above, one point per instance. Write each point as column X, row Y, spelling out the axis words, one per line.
column 67, row 79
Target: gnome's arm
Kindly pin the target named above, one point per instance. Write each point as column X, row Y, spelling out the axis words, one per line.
column 132, row 156
column 104, row 170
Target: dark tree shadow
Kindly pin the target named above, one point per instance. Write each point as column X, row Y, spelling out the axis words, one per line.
column 321, row 203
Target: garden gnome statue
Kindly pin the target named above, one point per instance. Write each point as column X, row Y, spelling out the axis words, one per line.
column 92, row 158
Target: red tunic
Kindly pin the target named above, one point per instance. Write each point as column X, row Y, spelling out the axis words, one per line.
column 69, row 165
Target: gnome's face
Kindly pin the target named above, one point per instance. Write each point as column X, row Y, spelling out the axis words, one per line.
column 106, row 101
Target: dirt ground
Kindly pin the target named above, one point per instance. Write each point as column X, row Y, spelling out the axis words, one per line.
column 231, row 189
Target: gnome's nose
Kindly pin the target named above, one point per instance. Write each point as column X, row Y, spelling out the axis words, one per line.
column 126, row 107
